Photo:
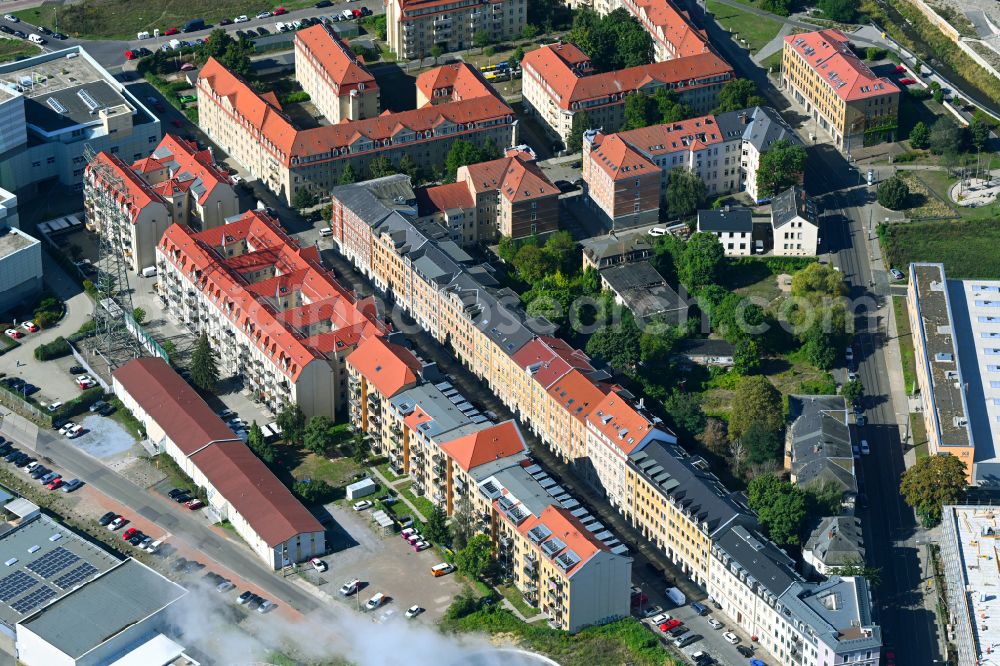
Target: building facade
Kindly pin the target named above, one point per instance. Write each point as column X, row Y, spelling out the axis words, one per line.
column 794, row 224
column 272, row 313
column 732, row 226
column 417, row 26
column 335, row 77
column 20, row 267
column 840, row 93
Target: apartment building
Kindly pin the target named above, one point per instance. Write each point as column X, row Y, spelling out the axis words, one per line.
column 273, row 315
column 955, row 328
column 674, row 34
column 509, row 197
column 798, row 622
column 839, row 92
column 732, row 226
column 254, row 130
column 177, row 183
column 794, row 224
column 558, row 82
column 335, row 77
column 417, row 26
column 819, row 449
column 724, row 150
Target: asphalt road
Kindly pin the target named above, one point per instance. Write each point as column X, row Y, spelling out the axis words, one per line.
column 159, row 511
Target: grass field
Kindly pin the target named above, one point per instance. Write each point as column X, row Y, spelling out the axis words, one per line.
column 423, row 504
column 755, row 30
column 918, row 433
column 939, row 182
column 967, row 248
column 12, row 49
column 511, row 594
column 121, row 19
column 905, row 338
column 337, row 472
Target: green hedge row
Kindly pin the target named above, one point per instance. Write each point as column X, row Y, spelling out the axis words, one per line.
column 55, row 349
column 79, row 404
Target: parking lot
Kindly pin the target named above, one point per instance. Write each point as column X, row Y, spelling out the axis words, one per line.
column 385, row 564
column 712, row 639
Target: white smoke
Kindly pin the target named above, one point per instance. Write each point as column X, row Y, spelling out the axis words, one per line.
column 209, row 625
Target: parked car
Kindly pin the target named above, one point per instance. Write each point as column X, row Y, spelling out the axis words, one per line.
column 362, row 505
column 225, row 21
column 659, row 619
column 323, row 4
column 684, row 641
column 896, row 273
column 48, row 478
column 865, row 449
column 376, row 601
column 146, row 540
column 731, row 638
column 29, row 326
column 442, row 569
column 153, row 547
column 907, row 81
column 350, row 587
column 652, row 611
column 242, row 18
column 318, row 564
column 414, row 611
column 698, row 608
column 679, row 630
column 171, row 31
column 264, row 15
column 194, row 504
column 14, row 333
column 55, row 483
column 58, row 35
column 187, row 99
column 86, row 381
column 137, row 539
column 175, row 492
column 279, row 11
column 255, row 601
column 225, row 586
column 670, row 624
column 420, row 545
column 745, row 650
column 70, row 486
column 244, row 598
column 106, row 518
column 12, row 18
column 129, row 533
column 265, row 606
column 117, row 523
column 715, row 624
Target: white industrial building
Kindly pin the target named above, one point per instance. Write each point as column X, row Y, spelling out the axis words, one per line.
column 20, row 261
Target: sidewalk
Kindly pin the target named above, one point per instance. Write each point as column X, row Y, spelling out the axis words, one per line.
column 390, row 484
column 773, row 46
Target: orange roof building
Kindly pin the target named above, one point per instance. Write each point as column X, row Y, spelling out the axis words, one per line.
column 273, row 314
column 335, row 77
column 556, row 85
column 178, row 182
column 674, row 35
column 416, row 26
column 847, row 99
column 256, row 131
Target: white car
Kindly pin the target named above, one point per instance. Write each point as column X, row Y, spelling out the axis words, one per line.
column 318, row 564
column 731, row 638
column 155, row 546
column 117, row 523
column 414, row 611
column 75, row 432
column 350, row 587
column 362, row 505
column 243, row 18
column 12, row 18
column 865, row 449
column 264, row 15
column 64, row 431
column 54, row 406
column 266, row 606
column 375, row 601
column 86, row 381
column 849, row 354
column 715, row 624
column 660, row 619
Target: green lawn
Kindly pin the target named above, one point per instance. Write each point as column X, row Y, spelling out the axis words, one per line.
column 772, row 62
column 12, row 49
column 905, row 338
column 387, row 472
column 423, row 504
column 511, row 594
column 918, row 433
column 122, row 19
column 337, row 472
column 967, row 248
column 755, row 30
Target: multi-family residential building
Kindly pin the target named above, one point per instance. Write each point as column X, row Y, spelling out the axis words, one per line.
column 509, row 196
column 799, row 623
column 254, row 130
column 674, row 34
column 853, row 105
column 819, row 450
column 724, row 150
column 54, row 105
column 335, row 77
column 272, row 313
column 955, row 327
column 417, row 26
column 794, row 224
column 837, row 541
column 177, row 183
column 558, row 82
column 732, row 226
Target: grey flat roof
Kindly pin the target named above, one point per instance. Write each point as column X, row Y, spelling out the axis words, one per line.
column 639, row 275
column 96, row 612
column 67, row 107
column 733, row 220
column 12, row 240
column 42, row 569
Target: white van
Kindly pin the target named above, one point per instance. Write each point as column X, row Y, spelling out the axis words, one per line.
column 37, row 39
column 149, row 271
column 325, row 232
column 142, row 35
column 657, row 231
column 375, row 601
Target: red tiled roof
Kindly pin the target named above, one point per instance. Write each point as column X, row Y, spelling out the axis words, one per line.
column 692, row 134
column 617, row 420
column 500, row 441
column 516, row 179
column 619, row 160
column 136, row 189
column 255, row 492
column 827, row 52
column 339, row 62
column 668, row 25
column 577, row 394
column 440, row 198
column 568, row 529
column 550, row 359
column 188, row 165
column 284, row 141
column 425, row 5
column 280, row 335
column 388, row 367
column 568, row 86
column 459, row 81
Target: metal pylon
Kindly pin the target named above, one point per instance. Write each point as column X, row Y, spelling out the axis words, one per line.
column 109, row 203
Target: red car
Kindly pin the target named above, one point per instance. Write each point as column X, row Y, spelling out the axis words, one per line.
column 131, row 55
column 907, row 82
column 900, row 69
column 171, row 31
column 356, row 12
column 14, row 333
column 129, row 533
column 55, row 484
column 279, row 11
column 176, row 123
column 670, row 624
column 194, row 504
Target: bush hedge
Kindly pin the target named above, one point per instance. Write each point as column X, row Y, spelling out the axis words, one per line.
column 79, row 404
column 55, row 349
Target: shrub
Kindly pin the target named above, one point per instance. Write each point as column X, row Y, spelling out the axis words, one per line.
column 79, row 404
column 893, row 193
column 55, row 349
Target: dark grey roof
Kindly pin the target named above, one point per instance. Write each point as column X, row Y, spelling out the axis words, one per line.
column 639, row 275
column 760, row 126
column 374, row 200
column 733, row 220
column 821, row 441
column 613, row 244
column 69, row 107
column 760, row 558
column 837, row 540
column 793, row 204
column 837, row 611
column 97, row 611
column 706, row 347
column 687, row 480
column 643, row 289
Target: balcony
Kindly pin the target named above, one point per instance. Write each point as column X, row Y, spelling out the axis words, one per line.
column 439, row 498
column 438, row 470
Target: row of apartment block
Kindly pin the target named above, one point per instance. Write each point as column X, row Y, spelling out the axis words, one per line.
column 558, row 82
column 255, row 131
column 479, row 472
column 627, row 172
column 272, row 313
column 178, row 183
column 417, row 26
column 570, row 405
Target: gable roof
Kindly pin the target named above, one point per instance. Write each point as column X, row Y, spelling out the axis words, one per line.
column 669, row 26
column 620, row 423
column 619, row 160
column 827, row 53
column 793, row 204
column 478, row 448
column 340, row 64
column 389, row 367
column 137, row 192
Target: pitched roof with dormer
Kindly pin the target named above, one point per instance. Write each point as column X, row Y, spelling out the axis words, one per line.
column 828, row 54
column 339, row 63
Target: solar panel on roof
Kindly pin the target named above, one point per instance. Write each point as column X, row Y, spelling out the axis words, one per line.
column 478, row 418
column 555, row 491
column 546, row 482
column 619, row 550
column 596, row 527
column 604, row 535
column 36, row 598
column 534, row 470
column 15, row 584
column 569, row 503
column 77, row 575
column 52, row 562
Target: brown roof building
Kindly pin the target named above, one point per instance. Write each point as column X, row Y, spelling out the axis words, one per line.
column 239, row 486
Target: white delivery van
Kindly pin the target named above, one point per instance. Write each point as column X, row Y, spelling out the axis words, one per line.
column 175, row 44
column 149, row 271
column 676, row 596
column 375, row 601
column 37, row 39
column 326, row 232
column 142, row 35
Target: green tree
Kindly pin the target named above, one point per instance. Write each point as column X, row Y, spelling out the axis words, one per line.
column 436, row 528
column 684, row 408
column 893, row 193
column 613, row 42
column 257, row 444
column 853, row 391
column 562, row 250
column 762, row 445
column 779, row 7
column 303, row 198
column 668, row 109
column 408, row 166
column 292, row 422
column 931, row 483
column 979, row 132
column 819, row 346
column 702, row 260
column 381, row 166
column 462, row 523
column 857, row 567
column 462, row 153
column 686, row 193
column 920, row 136
column 738, row 94
column 169, row 347
column 507, row 249
column 518, row 55
column 204, row 370
column 840, row 10
column 319, row 435
column 348, row 176
column 529, row 31
column 476, row 559
column 581, row 123
column 436, row 52
column 139, row 315
column 533, row 263
column 945, row 136
column 714, row 436
column 481, row 39
column 755, row 401
column 818, row 280
column 639, row 111
column 780, row 506
column 313, row 491
column 618, row 345
column 780, row 167
column 746, row 356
